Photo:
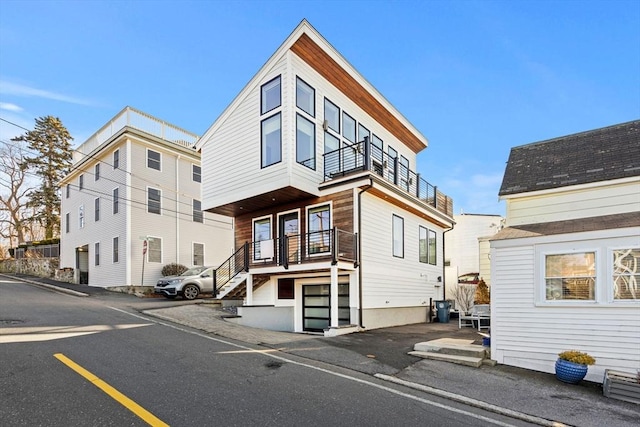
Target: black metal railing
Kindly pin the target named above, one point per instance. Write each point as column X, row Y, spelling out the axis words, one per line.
column 234, row 265
column 365, row 156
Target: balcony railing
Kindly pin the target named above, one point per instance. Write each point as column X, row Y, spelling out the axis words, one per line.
column 365, row 156
column 138, row 120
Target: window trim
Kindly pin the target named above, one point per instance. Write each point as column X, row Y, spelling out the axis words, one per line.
column 96, row 209
column 159, row 169
column 262, row 95
column 327, row 100
column 355, row 128
column 193, row 252
column 150, row 239
column 262, row 140
column 426, row 245
column 116, row 159
column 194, row 212
column 96, row 172
column 193, row 173
column 308, row 231
column 314, row 144
column 115, row 199
column 253, row 236
column 159, row 200
column 115, row 250
column 393, row 236
column 313, row 97
column 96, row 254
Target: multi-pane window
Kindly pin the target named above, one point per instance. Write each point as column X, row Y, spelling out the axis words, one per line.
column 153, row 159
column 305, row 142
column 348, row 127
column 626, row 274
column 81, row 216
column 155, row 250
column 271, row 140
column 68, row 188
column 363, row 132
column 67, row 221
column 153, row 200
column 81, row 182
column 305, row 97
column 197, row 211
column 332, row 115
column 96, row 253
column 116, row 159
column 96, row 172
column 319, row 228
column 198, row 254
column 196, row 173
column 398, row 236
column 263, row 246
column 270, row 95
column 115, row 254
column 570, row 276
column 96, row 209
column 116, row 200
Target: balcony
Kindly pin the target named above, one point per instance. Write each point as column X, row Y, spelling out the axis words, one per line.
column 365, row 156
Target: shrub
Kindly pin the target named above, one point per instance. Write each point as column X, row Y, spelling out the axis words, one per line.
column 173, row 269
column 578, row 357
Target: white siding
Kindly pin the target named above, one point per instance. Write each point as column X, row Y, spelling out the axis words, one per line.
column 389, row 281
column 462, row 248
column 566, row 204
column 530, row 335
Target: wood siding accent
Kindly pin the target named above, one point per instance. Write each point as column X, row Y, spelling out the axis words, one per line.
column 326, row 66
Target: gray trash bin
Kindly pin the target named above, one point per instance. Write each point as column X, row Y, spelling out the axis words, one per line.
column 444, row 309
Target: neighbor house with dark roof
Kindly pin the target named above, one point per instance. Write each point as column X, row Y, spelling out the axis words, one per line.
column 566, row 267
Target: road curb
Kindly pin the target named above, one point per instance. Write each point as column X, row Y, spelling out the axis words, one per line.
column 47, row 286
column 473, row 402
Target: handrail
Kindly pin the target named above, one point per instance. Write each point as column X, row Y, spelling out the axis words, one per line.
column 230, row 268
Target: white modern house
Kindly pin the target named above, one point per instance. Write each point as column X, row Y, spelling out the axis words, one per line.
column 136, row 183
column 334, row 230
column 566, row 268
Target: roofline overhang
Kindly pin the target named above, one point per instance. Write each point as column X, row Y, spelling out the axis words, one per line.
column 587, row 186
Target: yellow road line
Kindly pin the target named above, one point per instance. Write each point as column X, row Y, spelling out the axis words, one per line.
column 147, row 416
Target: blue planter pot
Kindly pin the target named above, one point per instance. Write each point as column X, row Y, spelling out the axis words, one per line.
column 570, row 372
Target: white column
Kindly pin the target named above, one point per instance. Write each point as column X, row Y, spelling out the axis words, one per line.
column 334, row 296
column 249, row 299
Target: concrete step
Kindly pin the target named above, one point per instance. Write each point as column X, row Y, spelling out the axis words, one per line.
column 452, row 347
column 475, row 362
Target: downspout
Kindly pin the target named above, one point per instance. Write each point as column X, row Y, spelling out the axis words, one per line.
column 444, row 277
column 360, row 249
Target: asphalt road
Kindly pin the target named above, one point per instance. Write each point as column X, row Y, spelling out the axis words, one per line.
column 131, row 370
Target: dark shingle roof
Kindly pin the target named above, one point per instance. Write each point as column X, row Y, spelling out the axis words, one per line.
column 597, row 155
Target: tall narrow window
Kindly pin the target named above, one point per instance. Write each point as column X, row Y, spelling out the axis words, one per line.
column 348, row 127
column 377, row 155
column 81, row 182
column 363, row 132
column 305, row 97
column 319, row 228
column 96, row 172
column 116, row 159
column 96, row 253
column 96, row 205
column 393, row 155
column 154, row 200
column 116, row 200
column 116, row 249
column 433, row 248
column 198, row 254
column 197, row 211
column 263, row 245
column 332, row 161
column 155, row 250
column 271, row 141
column 404, row 172
column 270, row 95
column 398, row 236
column 196, row 173
column 423, row 249
column 68, row 187
column 153, row 159
column 305, row 142
column 332, row 115
column 67, row 222
column 81, row 216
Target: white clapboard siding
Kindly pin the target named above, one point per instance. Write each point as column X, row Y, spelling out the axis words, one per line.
column 569, row 204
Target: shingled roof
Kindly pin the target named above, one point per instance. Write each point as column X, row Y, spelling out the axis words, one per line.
column 603, row 154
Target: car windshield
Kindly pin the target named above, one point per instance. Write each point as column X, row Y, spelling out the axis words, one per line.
column 194, row 271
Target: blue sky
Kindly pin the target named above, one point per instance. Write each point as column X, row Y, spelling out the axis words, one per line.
column 475, row 77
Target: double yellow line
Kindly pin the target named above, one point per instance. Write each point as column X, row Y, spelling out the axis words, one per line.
column 147, row 416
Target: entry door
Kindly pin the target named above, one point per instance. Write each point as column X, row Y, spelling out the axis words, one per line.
column 316, row 307
column 289, row 226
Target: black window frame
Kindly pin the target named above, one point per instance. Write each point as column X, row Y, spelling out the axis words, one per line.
column 115, row 250
column 149, row 200
column 304, row 162
column 355, row 127
column 96, row 209
column 194, row 174
column 262, row 140
column 116, row 200
column 264, row 109
column 393, row 236
column 327, row 100
column 96, row 254
column 423, row 245
column 312, row 95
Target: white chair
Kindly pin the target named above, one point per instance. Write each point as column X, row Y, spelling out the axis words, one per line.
column 479, row 312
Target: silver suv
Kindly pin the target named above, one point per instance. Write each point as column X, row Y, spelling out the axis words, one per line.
column 188, row 285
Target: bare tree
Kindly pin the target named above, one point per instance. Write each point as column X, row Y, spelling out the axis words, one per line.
column 464, row 296
column 14, row 186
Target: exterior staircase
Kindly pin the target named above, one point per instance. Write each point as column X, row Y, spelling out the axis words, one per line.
column 460, row 351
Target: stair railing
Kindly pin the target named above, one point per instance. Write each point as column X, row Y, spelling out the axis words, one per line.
column 234, row 265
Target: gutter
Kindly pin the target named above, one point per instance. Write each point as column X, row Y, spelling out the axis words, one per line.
column 365, row 189
column 444, row 277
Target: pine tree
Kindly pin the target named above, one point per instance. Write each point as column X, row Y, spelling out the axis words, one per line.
column 482, row 293
column 52, row 141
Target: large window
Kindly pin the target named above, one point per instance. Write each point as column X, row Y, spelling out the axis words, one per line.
column 332, row 115
column 96, row 204
column 196, row 173
column 198, row 254
column 155, row 250
column 116, row 200
column 319, row 229
column 305, row 97
column 96, row 253
column 263, row 245
column 197, row 211
column 305, row 142
column 270, row 96
column 626, row 274
column 116, row 159
column 423, row 250
column 398, row 236
column 153, row 159
column 570, row 276
column 154, row 204
column 348, row 127
column 115, row 255
column 271, row 141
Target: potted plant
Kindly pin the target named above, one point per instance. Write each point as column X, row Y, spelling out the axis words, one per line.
column 572, row 366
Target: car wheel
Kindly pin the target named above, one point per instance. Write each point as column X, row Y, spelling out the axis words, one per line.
column 170, row 296
column 190, row 292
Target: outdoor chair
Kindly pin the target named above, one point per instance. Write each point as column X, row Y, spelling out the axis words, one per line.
column 480, row 313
